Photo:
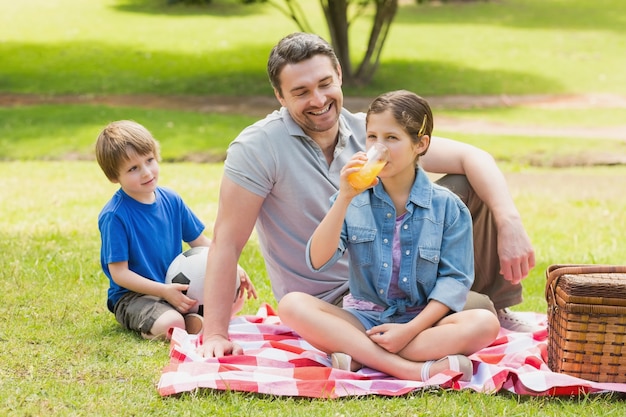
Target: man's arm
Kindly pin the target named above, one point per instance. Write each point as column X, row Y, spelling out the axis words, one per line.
column 516, row 253
column 237, row 213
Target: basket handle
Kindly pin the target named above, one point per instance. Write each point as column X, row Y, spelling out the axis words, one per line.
column 555, row 271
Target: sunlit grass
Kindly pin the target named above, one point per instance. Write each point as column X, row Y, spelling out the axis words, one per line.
column 70, row 131
column 54, row 132
column 62, row 351
column 64, row 354
column 142, row 46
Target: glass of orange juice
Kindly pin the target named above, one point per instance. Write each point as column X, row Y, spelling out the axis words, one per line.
column 377, row 156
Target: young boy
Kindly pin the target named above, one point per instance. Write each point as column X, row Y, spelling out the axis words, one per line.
column 142, row 229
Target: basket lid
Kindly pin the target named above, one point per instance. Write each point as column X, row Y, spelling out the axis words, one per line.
column 594, row 284
column 595, row 288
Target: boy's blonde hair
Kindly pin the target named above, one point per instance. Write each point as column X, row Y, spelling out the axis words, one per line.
column 120, row 139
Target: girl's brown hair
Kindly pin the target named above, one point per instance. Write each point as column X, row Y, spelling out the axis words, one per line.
column 411, row 111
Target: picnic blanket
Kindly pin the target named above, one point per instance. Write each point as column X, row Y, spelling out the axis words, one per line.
column 278, row 361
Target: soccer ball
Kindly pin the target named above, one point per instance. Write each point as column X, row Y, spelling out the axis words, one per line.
column 189, row 268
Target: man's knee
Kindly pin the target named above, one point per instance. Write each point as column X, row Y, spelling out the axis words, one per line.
column 458, row 184
column 479, row 301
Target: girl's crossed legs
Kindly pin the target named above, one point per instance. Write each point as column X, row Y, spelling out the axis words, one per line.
column 332, row 329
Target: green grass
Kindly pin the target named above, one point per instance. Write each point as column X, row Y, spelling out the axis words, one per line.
column 53, row 132
column 144, row 46
column 542, row 117
column 64, row 354
column 62, row 351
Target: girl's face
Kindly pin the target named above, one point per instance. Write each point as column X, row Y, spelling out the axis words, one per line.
column 139, row 176
column 403, row 152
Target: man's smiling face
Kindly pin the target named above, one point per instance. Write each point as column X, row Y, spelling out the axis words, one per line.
column 311, row 92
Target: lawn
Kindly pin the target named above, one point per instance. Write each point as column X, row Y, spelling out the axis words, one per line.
column 64, row 354
column 145, row 46
column 62, row 351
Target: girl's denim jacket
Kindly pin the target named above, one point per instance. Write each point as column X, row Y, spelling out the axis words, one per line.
column 436, row 244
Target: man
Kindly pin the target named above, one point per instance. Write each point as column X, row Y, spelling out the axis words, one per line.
column 281, row 171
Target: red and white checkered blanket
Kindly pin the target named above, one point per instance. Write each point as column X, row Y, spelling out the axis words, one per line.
column 277, row 361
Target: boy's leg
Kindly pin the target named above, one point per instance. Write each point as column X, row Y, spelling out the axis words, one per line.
column 150, row 316
column 237, row 306
column 193, row 323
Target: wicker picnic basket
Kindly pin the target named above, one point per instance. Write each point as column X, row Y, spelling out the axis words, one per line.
column 587, row 321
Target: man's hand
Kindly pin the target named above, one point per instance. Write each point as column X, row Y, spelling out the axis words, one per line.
column 517, row 256
column 218, row 346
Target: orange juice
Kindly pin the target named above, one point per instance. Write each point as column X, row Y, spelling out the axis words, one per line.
column 365, row 177
column 377, row 156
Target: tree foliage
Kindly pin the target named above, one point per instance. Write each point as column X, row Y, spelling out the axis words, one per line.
column 340, row 15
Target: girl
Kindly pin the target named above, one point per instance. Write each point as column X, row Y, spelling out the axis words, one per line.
column 411, row 257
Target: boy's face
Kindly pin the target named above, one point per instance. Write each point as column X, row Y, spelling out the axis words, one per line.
column 139, row 176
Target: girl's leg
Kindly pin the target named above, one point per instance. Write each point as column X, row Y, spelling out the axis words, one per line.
column 332, row 329
column 465, row 333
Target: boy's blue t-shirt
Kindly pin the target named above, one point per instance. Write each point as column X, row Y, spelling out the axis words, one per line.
column 148, row 236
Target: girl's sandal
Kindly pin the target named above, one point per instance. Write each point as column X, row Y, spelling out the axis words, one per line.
column 457, row 363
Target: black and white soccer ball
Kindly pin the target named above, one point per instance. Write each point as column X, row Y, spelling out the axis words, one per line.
column 189, row 268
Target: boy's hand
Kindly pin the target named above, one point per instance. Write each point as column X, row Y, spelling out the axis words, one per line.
column 173, row 294
column 245, row 284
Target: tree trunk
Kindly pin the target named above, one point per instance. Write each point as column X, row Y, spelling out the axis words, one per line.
column 336, row 13
column 385, row 13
